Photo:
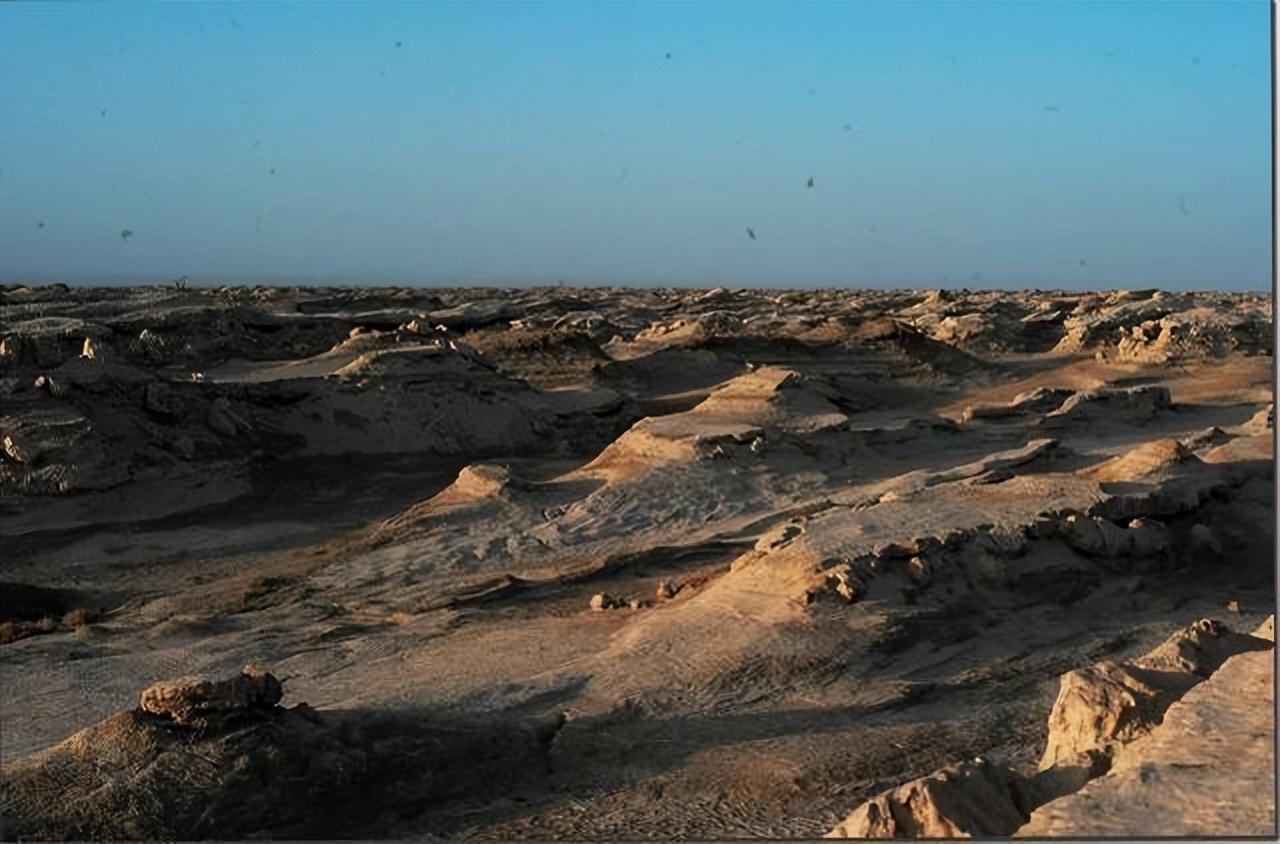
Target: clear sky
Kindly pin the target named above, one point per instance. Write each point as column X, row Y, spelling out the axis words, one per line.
column 1065, row 144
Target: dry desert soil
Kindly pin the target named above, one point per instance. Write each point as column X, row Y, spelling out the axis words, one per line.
column 634, row 563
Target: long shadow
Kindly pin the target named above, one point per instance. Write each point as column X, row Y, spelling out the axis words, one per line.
column 279, row 773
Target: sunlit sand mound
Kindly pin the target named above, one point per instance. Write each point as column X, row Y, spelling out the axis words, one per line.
column 1155, row 459
column 768, row 603
column 942, row 536
column 1262, row 422
column 1034, row 402
column 1110, row 406
column 739, row 415
column 479, row 481
column 690, row 332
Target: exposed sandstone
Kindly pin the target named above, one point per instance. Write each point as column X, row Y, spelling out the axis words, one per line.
column 1207, row 770
column 191, row 701
column 1112, row 726
column 973, row 798
column 1117, row 702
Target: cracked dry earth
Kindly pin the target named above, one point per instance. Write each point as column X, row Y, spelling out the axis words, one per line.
column 603, row 564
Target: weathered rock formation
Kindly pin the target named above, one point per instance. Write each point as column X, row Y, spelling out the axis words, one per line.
column 1139, row 722
column 204, row 758
column 973, row 798
column 1207, row 770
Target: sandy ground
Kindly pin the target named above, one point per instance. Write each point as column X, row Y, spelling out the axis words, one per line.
column 842, row 529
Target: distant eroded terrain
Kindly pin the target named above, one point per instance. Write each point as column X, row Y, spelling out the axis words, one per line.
column 650, row 563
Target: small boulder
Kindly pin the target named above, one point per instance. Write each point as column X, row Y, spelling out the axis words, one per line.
column 601, row 602
column 196, row 701
column 841, row 582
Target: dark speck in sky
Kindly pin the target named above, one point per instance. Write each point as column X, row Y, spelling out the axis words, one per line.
column 40, row 224
column 1182, row 205
column 809, row 184
column 257, row 225
column 235, row 24
column 668, row 55
column 125, row 234
column 383, row 74
column 813, row 91
column 1195, row 60
column 1052, row 108
column 102, row 112
column 1109, row 53
column 1082, row 262
column 751, row 234
column 397, row 43
column 271, row 171
column 848, row 127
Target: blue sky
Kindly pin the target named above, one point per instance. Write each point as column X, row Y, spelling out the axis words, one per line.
column 1065, row 144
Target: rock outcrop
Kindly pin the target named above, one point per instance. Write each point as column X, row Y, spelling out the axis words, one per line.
column 1113, row 702
column 197, row 701
column 1207, row 770
column 1107, row 722
column 973, row 798
column 1129, row 404
column 206, row 758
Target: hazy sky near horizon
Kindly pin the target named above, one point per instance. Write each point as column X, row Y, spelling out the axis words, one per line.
column 1065, row 144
